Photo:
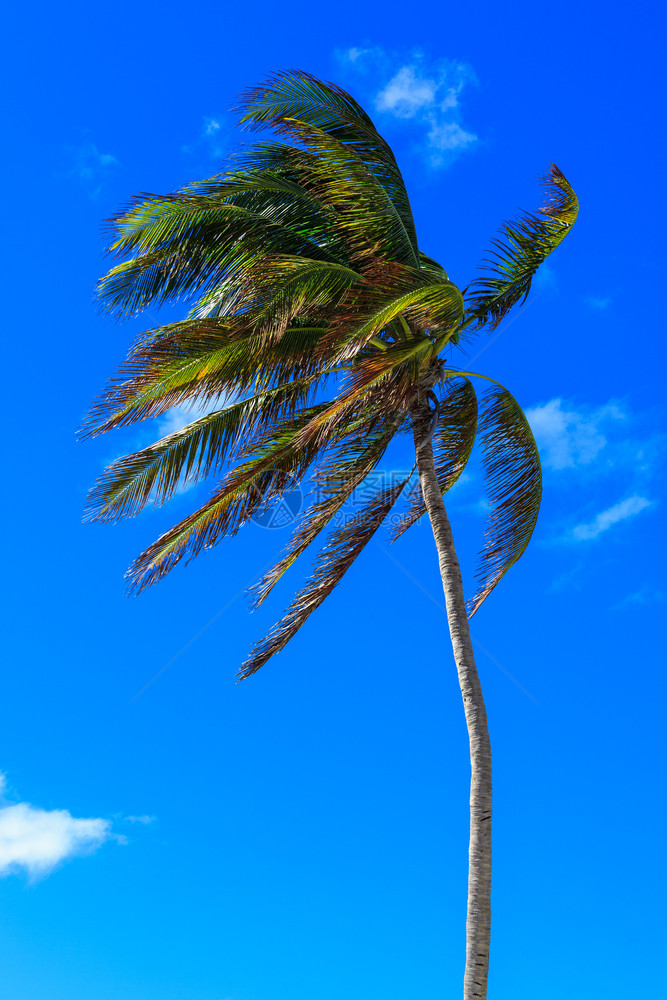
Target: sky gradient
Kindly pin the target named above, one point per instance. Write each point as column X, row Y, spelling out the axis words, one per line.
column 166, row 834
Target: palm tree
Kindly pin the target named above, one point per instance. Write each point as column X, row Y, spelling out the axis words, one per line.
column 323, row 331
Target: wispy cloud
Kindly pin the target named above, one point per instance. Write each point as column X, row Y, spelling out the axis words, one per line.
column 180, row 416
column 643, row 596
column 586, row 451
column 145, row 820
column 568, row 436
column 211, row 126
column 36, row 841
column 568, row 581
column 174, row 420
column 151, row 431
column 606, row 519
column 598, row 302
column 88, row 165
column 545, row 279
column 417, row 91
column 406, row 94
column 209, row 139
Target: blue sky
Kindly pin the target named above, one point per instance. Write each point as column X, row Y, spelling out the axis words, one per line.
column 303, row 835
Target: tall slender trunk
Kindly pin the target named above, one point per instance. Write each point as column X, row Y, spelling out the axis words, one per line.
column 478, row 924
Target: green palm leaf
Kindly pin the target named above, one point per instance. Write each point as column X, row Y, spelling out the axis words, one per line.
column 336, row 176
column 304, row 277
column 523, row 245
column 302, row 288
column 452, row 444
column 184, row 245
column 514, row 486
column 197, row 361
column 429, row 306
column 187, row 455
column 367, row 373
column 333, row 562
column 432, row 268
column 298, row 95
column 336, row 479
column 245, row 491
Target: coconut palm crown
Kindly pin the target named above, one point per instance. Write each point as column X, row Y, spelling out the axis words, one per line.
column 306, row 274
column 318, row 331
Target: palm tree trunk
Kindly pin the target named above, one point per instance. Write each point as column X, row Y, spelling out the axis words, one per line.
column 478, row 925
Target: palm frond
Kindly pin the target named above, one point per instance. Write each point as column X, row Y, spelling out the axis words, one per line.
column 335, row 480
column 523, row 245
column 276, row 462
column 365, row 215
column 432, row 267
column 181, row 245
column 452, row 444
column 187, row 455
column 301, row 96
column 367, row 373
column 345, row 545
column 514, row 487
column 162, row 370
column 304, row 280
column 197, row 361
column 432, row 307
column 298, row 287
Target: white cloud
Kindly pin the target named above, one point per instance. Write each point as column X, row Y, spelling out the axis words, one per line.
column 180, row 416
column 406, row 94
column 90, row 160
column 88, row 165
column 141, row 819
column 599, row 302
column 354, row 54
column 176, row 419
column 607, row 518
column 567, row 437
column 449, row 135
column 645, row 595
column 421, row 92
column 209, row 139
column 37, row 840
column 545, row 279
